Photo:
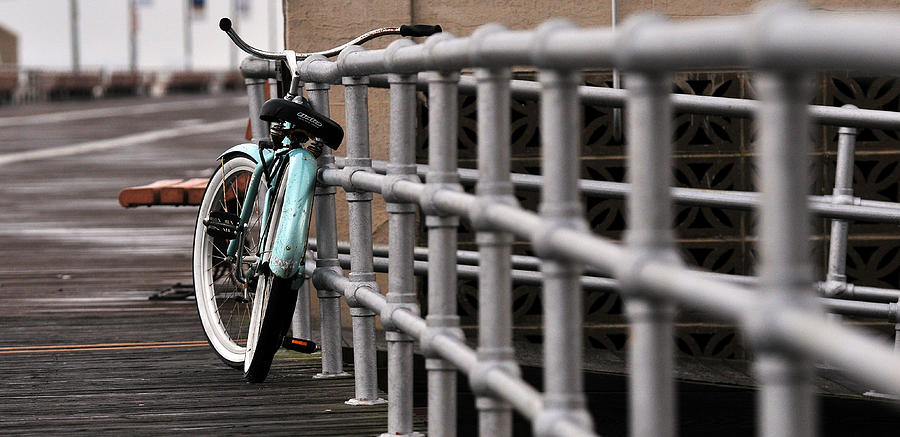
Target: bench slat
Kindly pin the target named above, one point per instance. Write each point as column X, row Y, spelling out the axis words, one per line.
column 189, row 192
column 144, row 195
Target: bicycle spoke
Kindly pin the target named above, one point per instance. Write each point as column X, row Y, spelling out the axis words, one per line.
column 237, row 200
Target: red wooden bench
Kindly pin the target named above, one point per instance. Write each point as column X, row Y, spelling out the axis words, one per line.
column 174, row 192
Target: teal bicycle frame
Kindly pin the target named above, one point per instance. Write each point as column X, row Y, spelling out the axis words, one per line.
column 294, row 171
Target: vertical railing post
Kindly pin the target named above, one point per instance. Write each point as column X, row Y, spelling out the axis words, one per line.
column 255, row 98
column 401, row 295
column 561, row 122
column 326, row 251
column 362, row 273
column 785, row 402
column 495, row 347
column 651, row 340
column 442, row 282
column 301, row 324
column 836, row 279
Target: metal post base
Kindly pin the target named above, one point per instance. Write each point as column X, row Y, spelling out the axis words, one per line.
column 412, row 434
column 355, row 401
column 332, row 375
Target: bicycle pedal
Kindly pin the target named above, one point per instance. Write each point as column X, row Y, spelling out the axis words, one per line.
column 222, row 224
column 299, row 345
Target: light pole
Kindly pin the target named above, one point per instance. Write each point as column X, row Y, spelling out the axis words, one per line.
column 132, row 35
column 188, row 41
column 73, row 28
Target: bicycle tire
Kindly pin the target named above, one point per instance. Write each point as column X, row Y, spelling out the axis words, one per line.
column 223, row 303
column 273, row 308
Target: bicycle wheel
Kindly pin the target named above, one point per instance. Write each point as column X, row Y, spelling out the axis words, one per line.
column 273, row 307
column 223, row 302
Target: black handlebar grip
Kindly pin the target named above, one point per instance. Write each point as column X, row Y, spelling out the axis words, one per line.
column 225, row 24
column 419, row 30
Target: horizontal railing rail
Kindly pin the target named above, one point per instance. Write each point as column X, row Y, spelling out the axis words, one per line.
column 526, row 271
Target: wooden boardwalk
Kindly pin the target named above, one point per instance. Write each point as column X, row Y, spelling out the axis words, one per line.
column 82, row 349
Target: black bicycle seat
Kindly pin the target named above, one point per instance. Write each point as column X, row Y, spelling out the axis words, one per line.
column 303, row 116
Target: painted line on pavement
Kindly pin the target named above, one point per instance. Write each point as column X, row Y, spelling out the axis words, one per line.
column 83, row 346
column 123, row 141
column 148, row 108
column 86, row 348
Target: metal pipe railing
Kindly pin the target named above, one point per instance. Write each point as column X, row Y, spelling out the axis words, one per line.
column 823, row 206
column 401, row 296
column 564, row 400
column 326, row 252
column 360, row 217
column 785, row 268
column 651, row 354
column 887, row 310
column 779, row 315
column 495, row 346
column 442, row 276
column 695, row 289
column 701, row 105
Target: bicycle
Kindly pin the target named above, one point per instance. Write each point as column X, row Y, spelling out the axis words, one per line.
column 251, row 231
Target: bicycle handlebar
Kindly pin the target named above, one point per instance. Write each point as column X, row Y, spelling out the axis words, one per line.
column 404, row 30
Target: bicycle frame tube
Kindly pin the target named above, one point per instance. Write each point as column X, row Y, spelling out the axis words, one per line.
column 267, row 213
column 289, row 248
column 249, row 199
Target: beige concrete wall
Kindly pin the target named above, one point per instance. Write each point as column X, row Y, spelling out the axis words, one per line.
column 8, row 48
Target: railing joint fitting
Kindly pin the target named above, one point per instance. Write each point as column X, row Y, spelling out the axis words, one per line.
column 447, row 326
column 542, row 238
column 480, row 375
column 361, row 312
column 353, row 287
column 351, row 166
column 390, row 61
column 844, row 196
column 476, row 40
column 540, row 55
column 431, row 59
column 894, row 314
column 323, row 164
column 627, row 55
column 387, row 313
column 449, row 221
column 342, row 67
column 478, row 211
column 429, row 207
column 767, row 30
column 835, row 286
column 304, row 71
column 388, row 187
column 629, row 271
column 762, row 321
column 548, row 418
column 321, row 282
